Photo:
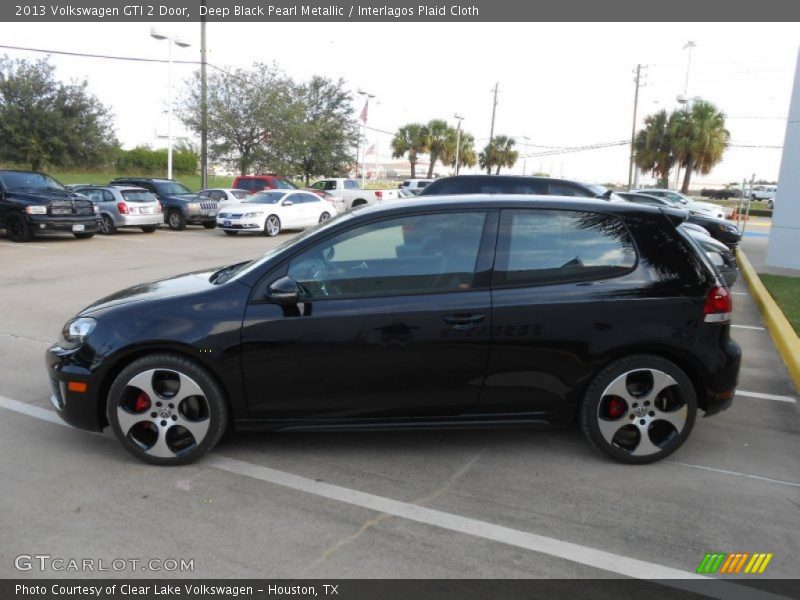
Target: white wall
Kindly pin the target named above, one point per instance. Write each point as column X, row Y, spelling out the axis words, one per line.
column 784, row 240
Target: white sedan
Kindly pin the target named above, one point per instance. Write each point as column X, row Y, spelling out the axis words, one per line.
column 272, row 211
column 224, row 196
column 680, row 201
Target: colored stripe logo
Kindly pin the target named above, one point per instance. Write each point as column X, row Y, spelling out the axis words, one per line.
column 734, row 563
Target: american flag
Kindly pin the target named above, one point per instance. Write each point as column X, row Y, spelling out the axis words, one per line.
column 371, row 149
column 363, row 115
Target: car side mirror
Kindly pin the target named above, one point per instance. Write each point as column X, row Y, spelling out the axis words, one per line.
column 284, row 291
column 287, row 203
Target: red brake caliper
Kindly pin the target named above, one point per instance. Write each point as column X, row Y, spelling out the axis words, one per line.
column 142, row 403
column 616, row 408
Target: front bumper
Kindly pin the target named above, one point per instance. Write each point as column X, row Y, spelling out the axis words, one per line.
column 80, row 409
column 250, row 224
column 50, row 223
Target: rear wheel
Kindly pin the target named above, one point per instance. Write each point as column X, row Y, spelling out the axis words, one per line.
column 18, row 229
column 639, row 409
column 149, row 228
column 272, row 226
column 324, row 217
column 166, row 410
column 359, row 202
column 107, row 226
column 176, row 220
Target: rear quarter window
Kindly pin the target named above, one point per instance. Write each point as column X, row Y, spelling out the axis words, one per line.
column 539, row 247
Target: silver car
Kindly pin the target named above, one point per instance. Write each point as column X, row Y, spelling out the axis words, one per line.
column 124, row 206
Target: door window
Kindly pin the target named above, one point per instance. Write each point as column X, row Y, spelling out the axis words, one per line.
column 405, row 255
column 539, row 247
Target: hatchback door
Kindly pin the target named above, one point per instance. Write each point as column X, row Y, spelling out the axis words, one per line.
column 394, row 321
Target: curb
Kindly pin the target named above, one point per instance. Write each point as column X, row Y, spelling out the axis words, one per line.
column 780, row 329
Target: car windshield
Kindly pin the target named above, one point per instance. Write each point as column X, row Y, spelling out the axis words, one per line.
column 283, row 184
column 597, row 189
column 21, row 181
column 240, row 194
column 172, row 188
column 265, row 198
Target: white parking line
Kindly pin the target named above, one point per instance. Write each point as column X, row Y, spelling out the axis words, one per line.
column 24, row 246
column 592, row 557
column 116, row 238
column 753, row 327
column 761, row 396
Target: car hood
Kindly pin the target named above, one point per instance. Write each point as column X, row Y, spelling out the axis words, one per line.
column 704, row 206
column 172, row 287
column 45, row 195
column 247, row 207
column 188, row 198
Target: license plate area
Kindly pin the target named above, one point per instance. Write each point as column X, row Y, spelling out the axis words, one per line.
column 78, row 228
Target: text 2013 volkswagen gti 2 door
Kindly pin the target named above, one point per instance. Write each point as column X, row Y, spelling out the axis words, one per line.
column 449, row 312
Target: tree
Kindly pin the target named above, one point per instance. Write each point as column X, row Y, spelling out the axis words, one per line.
column 699, row 139
column 653, row 146
column 250, row 114
column 411, row 139
column 323, row 137
column 46, row 122
column 440, row 134
column 499, row 152
column 465, row 151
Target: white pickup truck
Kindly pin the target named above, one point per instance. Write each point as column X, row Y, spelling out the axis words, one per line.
column 348, row 194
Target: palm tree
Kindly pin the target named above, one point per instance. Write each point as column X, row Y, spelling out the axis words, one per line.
column 466, row 154
column 653, row 146
column 699, row 139
column 411, row 139
column 507, row 155
column 440, row 135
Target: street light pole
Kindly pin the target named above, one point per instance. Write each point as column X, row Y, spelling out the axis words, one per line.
column 458, row 140
column 525, row 156
column 155, row 34
column 638, row 82
column 365, row 113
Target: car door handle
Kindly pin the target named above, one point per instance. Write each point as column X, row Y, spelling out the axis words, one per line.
column 463, row 322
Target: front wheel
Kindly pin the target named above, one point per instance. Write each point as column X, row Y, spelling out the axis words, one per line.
column 166, row 410
column 639, row 409
column 324, row 217
column 83, row 236
column 176, row 220
column 272, row 226
column 18, row 229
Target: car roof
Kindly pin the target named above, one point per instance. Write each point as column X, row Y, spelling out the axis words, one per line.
column 489, row 201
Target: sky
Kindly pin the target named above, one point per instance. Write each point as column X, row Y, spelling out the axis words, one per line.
column 560, row 84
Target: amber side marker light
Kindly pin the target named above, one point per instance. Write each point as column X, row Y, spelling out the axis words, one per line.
column 77, row 386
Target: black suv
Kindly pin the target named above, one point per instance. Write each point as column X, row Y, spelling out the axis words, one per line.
column 451, row 312
column 513, row 184
column 32, row 202
column 180, row 206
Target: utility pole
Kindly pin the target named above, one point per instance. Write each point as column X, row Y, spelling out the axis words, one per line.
column 638, row 81
column 494, row 112
column 203, row 103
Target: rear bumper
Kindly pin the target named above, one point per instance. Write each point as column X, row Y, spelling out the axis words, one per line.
column 140, row 220
column 721, row 385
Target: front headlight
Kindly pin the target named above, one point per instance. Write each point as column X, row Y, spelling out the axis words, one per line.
column 96, row 209
column 250, row 215
column 75, row 331
column 36, row 210
column 728, row 228
column 193, row 206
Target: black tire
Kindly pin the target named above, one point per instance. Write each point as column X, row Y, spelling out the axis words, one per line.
column 324, row 217
column 210, row 224
column 654, row 411
column 229, row 232
column 107, row 226
column 359, row 202
column 175, row 220
column 272, row 226
column 149, row 228
column 175, row 442
column 17, row 228
column 770, row 204
column 84, row 236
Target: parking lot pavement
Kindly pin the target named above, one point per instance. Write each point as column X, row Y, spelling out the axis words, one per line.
column 486, row 503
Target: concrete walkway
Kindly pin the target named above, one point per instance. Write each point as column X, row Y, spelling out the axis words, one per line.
column 754, row 243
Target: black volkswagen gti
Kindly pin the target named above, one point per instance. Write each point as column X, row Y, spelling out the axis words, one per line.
column 454, row 312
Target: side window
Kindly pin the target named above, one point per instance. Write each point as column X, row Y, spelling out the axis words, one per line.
column 204, row 193
column 563, row 189
column 245, row 184
column 311, row 198
column 454, row 185
column 259, row 184
column 538, row 247
column 217, row 195
column 320, row 185
column 404, row 255
column 107, row 196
